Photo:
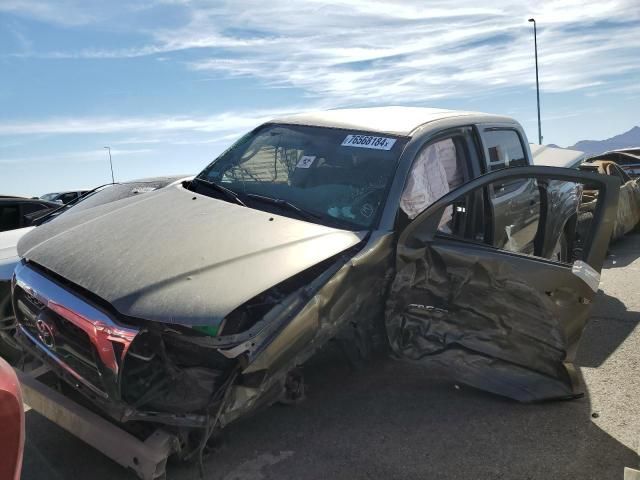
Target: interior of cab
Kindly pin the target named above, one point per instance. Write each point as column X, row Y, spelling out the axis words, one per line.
column 510, row 215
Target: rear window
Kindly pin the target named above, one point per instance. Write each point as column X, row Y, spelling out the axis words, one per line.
column 505, row 149
column 68, row 197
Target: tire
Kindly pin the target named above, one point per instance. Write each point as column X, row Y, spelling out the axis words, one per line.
column 9, row 349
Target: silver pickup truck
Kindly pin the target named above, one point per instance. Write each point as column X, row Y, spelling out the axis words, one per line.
column 423, row 232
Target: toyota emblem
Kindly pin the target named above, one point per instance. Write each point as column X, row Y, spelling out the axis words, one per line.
column 45, row 333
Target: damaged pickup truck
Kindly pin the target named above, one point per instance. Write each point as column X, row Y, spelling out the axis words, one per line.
column 425, row 231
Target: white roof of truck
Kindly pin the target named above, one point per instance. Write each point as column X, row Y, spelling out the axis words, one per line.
column 394, row 120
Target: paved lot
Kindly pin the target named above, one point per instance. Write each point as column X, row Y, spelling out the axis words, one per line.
column 391, row 420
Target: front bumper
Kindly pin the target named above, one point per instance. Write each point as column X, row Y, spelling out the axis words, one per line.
column 147, row 457
column 81, row 344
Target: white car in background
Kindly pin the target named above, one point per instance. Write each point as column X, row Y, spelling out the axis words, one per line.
column 556, row 156
column 8, row 254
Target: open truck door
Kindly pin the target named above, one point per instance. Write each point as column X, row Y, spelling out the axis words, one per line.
column 501, row 320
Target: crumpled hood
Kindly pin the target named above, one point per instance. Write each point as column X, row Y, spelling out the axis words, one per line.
column 179, row 257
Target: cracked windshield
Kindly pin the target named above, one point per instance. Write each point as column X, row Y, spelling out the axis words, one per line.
column 319, row 174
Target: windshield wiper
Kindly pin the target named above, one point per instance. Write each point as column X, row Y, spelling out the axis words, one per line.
column 227, row 192
column 306, row 214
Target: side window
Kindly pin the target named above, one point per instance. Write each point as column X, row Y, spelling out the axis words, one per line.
column 67, row 197
column 545, row 220
column 28, row 208
column 437, row 169
column 504, row 148
column 9, row 217
column 31, row 211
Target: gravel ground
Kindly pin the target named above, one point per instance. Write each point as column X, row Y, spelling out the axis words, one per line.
column 392, row 420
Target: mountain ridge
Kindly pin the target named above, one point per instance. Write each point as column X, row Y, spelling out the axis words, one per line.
column 630, row 138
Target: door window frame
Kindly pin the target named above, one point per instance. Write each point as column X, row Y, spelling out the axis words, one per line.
column 425, row 225
column 467, row 138
column 492, row 127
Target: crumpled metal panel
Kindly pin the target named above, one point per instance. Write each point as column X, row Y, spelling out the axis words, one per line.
column 628, row 209
column 484, row 324
column 350, row 300
column 179, row 257
column 628, row 212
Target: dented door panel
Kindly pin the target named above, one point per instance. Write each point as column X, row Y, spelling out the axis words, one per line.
column 499, row 321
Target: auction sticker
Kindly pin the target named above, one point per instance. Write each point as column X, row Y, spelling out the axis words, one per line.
column 306, row 161
column 369, row 141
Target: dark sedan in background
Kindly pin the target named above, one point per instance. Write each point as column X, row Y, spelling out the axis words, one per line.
column 16, row 212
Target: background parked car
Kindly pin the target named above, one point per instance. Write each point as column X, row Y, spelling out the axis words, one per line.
column 63, row 197
column 627, row 158
column 628, row 214
column 15, row 211
column 555, row 156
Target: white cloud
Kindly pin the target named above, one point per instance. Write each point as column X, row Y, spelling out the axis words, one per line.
column 381, row 51
column 75, row 156
column 222, row 122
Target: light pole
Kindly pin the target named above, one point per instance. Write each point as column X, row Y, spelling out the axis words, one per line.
column 535, row 42
column 110, row 164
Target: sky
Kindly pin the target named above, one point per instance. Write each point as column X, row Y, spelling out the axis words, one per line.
column 169, row 84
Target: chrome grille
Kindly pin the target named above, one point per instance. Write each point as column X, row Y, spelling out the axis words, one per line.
column 73, row 333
